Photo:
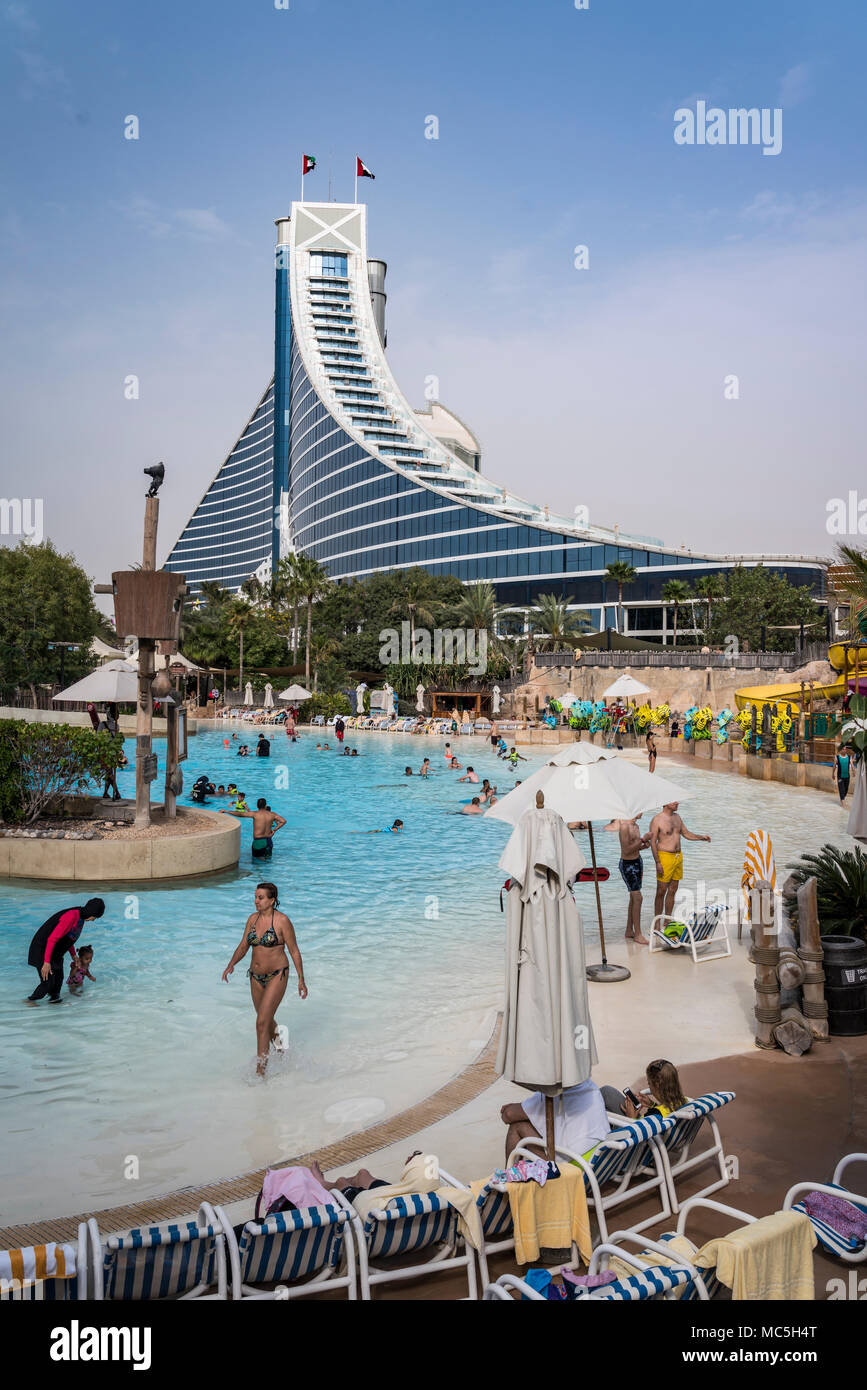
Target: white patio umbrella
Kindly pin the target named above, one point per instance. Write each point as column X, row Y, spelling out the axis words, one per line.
column 625, row 686
column 295, row 692
column 114, row 682
column 546, row 1041
column 857, row 824
column 269, row 695
column 586, row 783
column 248, row 693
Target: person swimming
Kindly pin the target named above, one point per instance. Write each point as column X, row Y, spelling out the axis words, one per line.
column 469, row 776
column 474, row 808
column 424, row 770
column 407, row 772
column 388, row 829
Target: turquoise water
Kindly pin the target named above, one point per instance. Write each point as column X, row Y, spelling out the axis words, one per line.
column 401, row 937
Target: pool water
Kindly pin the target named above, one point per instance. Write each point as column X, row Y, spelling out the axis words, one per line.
column 147, row 1081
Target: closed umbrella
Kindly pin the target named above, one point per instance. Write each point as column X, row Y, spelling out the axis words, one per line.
column 269, row 695
column 857, row 826
column 248, row 693
column 546, row 1042
column 586, row 783
column 114, row 682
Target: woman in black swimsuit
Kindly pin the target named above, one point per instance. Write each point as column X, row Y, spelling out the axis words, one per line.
column 271, row 935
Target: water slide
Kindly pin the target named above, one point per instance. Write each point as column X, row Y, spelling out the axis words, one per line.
column 791, row 693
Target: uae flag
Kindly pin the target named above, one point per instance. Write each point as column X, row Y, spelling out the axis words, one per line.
column 362, row 171
column 308, row 163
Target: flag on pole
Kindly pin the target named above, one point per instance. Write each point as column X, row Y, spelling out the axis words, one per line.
column 362, row 171
column 308, row 163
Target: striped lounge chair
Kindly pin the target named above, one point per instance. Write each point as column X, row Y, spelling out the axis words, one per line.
column 629, row 1164
column 53, row 1273
column 706, row 929
column 648, row 1282
column 498, row 1232
column 177, row 1259
column 676, row 1144
column 421, row 1224
column 854, row 1252
column 301, row 1252
column 702, row 1284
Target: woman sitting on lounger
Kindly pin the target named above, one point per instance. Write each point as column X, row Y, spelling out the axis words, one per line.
column 271, row 935
column 665, row 1094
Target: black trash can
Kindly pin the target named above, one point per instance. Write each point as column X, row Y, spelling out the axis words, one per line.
column 846, row 985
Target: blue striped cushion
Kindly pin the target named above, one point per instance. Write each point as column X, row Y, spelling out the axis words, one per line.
column 495, row 1211
column 42, row 1290
column 410, row 1223
column 159, row 1261
column 608, row 1164
column 653, row 1283
column 686, row 1129
column 704, row 924
column 291, row 1244
column 826, row 1235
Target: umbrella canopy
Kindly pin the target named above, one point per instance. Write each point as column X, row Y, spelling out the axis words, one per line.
column 102, row 650
column 857, row 826
column 295, row 692
column 587, row 783
column 114, row 682
column 248, row 693
column 626, row 686
column 546, row 1042
column 269, row 696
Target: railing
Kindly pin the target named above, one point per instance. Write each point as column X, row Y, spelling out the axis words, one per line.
column 671, row 656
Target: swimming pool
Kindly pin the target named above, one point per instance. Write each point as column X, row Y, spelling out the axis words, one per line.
column 402, row 943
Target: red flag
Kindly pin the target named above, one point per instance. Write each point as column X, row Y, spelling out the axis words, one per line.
column 362, row 171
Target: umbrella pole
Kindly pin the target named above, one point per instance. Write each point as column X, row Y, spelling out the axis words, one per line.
column 604, row 973
column 549, row 1128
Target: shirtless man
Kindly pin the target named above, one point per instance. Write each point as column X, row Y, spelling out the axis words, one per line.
column 632, row 842
column 666, row 830
column 265, row 824
column 469, row 776
column 474, row 808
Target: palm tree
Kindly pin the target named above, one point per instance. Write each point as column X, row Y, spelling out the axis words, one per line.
column 710, row 586
column 856, row 588
column 620, row 572
column 416, row 601
column 556, row 623
column 676, row 592
column 240, row 616
column 287, row 590
column 478, row 607
column 321, row 649
column 313, row 583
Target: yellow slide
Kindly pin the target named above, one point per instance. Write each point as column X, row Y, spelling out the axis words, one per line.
column 771, row 694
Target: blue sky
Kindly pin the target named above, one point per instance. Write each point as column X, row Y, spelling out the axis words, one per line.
column 602, row 387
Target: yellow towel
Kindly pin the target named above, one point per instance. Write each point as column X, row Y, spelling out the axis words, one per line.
column 769, row 1260
column 550, row 1217
column 420, row 1176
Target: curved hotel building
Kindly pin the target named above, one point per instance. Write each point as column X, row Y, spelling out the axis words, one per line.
column 336, row 463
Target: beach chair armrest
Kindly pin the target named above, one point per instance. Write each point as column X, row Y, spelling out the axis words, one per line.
column 451, row 1181
column 833, row 1190
column 499, row 1290
column 844, row 1164
column 695, row 1202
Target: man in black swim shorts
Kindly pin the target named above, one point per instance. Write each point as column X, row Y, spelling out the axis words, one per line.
column 632, row 842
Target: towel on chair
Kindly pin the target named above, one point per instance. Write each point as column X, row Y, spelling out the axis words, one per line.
column 416, row 1180
column 35, row 1262
column 769, row 1260
column 681, row 1248
column 550, row 1217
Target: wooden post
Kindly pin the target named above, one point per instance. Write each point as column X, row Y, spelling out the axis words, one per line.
column 753, row 722
column 146, row 650
column 149, row 550
column 765, row 955
column 549, row 1128
column 812, row 728
column 815, row 1009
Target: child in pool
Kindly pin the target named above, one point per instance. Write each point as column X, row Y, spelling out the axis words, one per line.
column 80, row 970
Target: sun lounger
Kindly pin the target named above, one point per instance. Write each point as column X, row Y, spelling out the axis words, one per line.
column 29, row 1274
column 421, row 1223
column 676, row 1144
column 849, row 1249
column 177, row 1259
column 705, row 929
column 318, row 720
column 466, row 729
column 630, row 1158
column 648, row 1282
column 302, row 1252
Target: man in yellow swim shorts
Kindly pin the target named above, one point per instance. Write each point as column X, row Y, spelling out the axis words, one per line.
column 666, row 830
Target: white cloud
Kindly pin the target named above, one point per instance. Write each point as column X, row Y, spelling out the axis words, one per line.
column 21, row 17
column 201, row 224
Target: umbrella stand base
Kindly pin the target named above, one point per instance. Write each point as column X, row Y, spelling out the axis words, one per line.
column 608, row 974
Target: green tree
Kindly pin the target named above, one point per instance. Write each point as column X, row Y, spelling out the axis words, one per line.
column 855, row 561
column 620, row 573
column 45, row 597
column 555, row 623
column 676, row 592
column 416, row 600
column 757, row 598
column 240, row 617
column 314, row 584
column 710, row 587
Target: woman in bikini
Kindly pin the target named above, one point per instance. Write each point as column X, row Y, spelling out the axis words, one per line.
column 271, row 935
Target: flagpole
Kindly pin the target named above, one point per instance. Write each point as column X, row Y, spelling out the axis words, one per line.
column 356, row 178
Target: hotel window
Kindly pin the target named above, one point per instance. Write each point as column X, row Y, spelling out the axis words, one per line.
column 327, row 263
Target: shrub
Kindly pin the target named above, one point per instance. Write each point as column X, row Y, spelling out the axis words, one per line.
column 841, row 890
column 40, row 763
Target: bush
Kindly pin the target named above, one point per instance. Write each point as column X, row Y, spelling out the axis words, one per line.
column 841, row 890
column 40, row 763
column 329, row 705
